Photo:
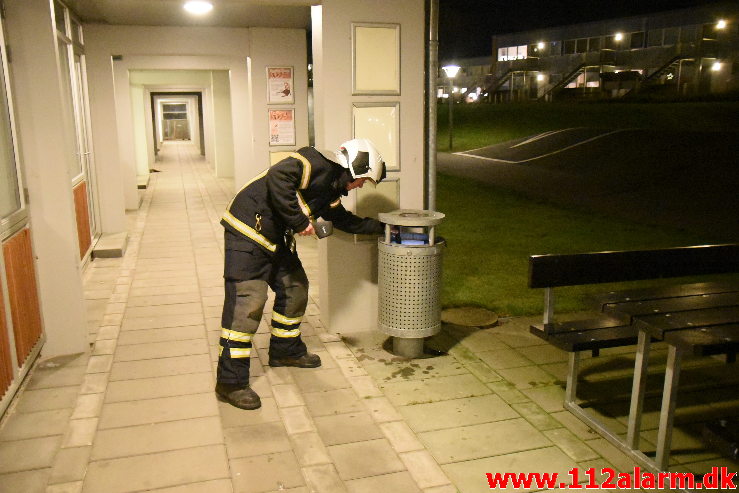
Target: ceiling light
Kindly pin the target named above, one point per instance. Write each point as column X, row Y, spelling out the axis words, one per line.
column 198, row 7
column 721, row 24
column 619, row 36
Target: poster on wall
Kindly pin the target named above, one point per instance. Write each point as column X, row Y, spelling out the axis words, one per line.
column 282, row 127
column 280, row 85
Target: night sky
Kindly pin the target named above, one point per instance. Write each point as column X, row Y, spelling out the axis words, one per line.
column 466, row 26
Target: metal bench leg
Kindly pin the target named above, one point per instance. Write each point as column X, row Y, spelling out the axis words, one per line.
column 573, row 368
column 667, row 414
column 638, row 389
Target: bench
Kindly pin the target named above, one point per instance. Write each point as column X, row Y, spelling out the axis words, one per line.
column 698, row 318
column 614, row 328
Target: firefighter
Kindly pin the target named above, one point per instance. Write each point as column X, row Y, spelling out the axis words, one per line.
column 260, row 252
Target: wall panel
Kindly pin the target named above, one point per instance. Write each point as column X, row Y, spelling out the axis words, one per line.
column 81, row 211
column 6, row 365
column 24, row 303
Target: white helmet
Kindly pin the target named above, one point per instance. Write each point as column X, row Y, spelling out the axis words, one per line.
column 362, row 159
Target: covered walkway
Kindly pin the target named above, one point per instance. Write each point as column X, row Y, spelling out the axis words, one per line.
column 138, row 413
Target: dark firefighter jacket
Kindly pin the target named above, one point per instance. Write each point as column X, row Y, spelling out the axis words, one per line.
column 287, row 196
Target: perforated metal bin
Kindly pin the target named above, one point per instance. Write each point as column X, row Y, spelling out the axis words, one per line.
column 409, row 278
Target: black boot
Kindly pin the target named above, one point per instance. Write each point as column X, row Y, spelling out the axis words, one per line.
column 308, row 360
column 238, row 396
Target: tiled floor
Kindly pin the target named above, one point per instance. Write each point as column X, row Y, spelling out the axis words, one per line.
column 137, row 413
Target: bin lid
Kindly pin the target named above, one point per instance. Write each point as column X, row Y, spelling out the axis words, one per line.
column 411, row 217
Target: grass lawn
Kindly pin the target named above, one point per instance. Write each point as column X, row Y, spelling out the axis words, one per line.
column 479, row 125
column 491, row 232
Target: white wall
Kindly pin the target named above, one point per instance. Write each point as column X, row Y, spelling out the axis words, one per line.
column 168, row 48
column 277, row 48
column 46, row 152
column 348, row 282
column 222, row 129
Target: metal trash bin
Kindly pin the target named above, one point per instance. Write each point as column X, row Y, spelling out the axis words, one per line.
column 409, row 279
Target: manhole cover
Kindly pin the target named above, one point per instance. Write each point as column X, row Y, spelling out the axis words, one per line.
column 470, row 316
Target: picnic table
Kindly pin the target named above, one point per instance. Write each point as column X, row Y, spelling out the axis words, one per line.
column 699, row 319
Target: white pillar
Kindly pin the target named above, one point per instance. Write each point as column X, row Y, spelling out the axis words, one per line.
column 348, row 273
column 47, row 152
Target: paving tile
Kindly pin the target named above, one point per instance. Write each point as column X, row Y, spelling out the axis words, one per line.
column 544, row 354
column 278, row 376
column 56, row 377
column 156, row 437
column 527, row 377
column 232, row 416
column 484, row 440
column 346, row 428
column 469, row 476
column 400, row 436
column 504, row 358
column 381, row 409
column 214, row 486
column 162, row 290
column 46, row 399
column 157, row 470
column 151, row 388
column 108, row 332
column 130, row 413
column 287, row 395
column 508, row 392
column 26, row 481
column 320, row 380
column 162, row 321
column 168, row 349
column 179, row 365
column 88, row 406
column 363, row 459
column 80, row 432
column 333, row 402
column 572, row 423
column 161, row 335
column 571, row 445
column 441, row 366
column 457, row 412
column 94, row 383
column 164, row 299
column 323, row 478
column 20, row 426
column 540, row 419
column 104, row 346
column 447, row 488
column 550, row 398
column 424, row 469
column 100, row 364
column 163, row 310
column 338, row 350
column 70, row 465
column 260, row 439
column 265, row 473
column 22, row 455
column 365, row 387
column 309, row 449
column 350, row 367
column 421, row 391
column 73, row 487
column 296, row 420
column 479, row 341
column 398, row 481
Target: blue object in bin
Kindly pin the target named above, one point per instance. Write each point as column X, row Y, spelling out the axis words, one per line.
column 413, row 239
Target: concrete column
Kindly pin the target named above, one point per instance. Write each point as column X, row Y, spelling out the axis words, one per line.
column 348, row 273
column 100, row 89
column 46, row 137
column 223, row 135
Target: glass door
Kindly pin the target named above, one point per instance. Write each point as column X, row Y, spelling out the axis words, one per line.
column 71, row 59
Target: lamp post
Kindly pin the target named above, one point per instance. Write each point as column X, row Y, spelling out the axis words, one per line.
column 451, row 72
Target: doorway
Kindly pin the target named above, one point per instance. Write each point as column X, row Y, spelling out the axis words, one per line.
column 172, row 117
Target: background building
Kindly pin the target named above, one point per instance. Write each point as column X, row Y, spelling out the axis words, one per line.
column 687, row 52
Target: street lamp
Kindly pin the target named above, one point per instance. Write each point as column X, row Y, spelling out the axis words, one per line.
column 451, row 72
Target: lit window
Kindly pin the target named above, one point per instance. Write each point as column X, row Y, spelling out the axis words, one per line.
column 721, row 24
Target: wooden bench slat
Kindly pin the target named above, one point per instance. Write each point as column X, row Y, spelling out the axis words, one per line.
column 662, row 292
column 623, row 335
column 721, row 339
column 672, row 305
column 658, row 325
column 548, row 271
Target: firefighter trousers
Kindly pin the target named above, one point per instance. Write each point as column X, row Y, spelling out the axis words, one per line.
column 248, row 274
